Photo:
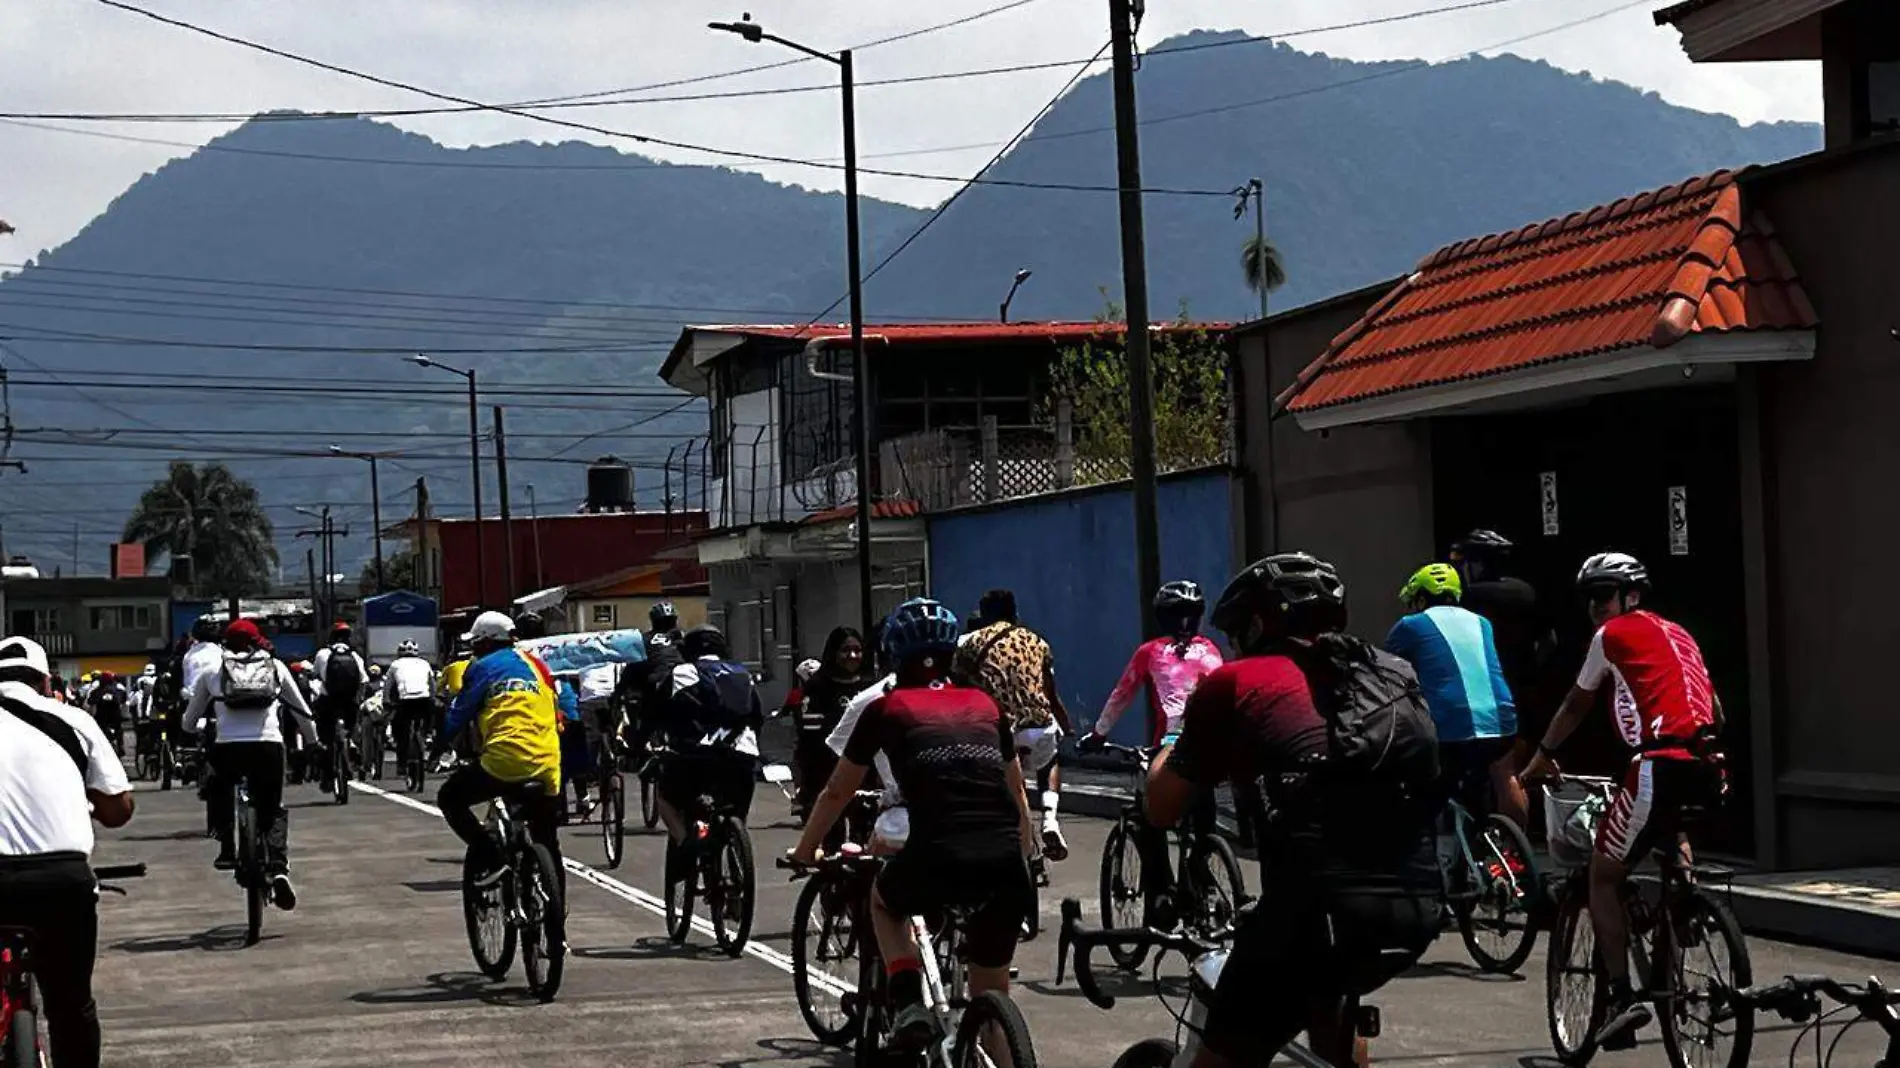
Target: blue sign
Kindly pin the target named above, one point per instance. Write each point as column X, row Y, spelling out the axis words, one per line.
column 399, row 608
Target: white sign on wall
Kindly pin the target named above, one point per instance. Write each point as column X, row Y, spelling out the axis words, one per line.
column 1678, row 521
column 1547, row 484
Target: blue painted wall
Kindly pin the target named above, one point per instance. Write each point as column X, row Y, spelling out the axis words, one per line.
column 1070, row 558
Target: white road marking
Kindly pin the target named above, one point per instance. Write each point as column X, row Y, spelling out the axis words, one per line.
column 636, row 896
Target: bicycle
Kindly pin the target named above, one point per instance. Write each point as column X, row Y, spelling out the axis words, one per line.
column 340, row 760
column 1666, row 925
column 371, row 746
column 649, row 774
column 1205, row 953
column 415, row 768
column 249, row 873
column 613, row 797
column 1797, row 999
column 1491, row 883
column 716, row 862
column 22, row 1042
column 827, row 922
column 523, row 906
column 1208, row 888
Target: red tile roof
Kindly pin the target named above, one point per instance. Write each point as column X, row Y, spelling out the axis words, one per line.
column 898, row 509
column 1646, row 270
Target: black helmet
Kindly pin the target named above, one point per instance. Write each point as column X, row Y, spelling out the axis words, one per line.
column 1174, row 598
column 530, row 625
column 661, row 613
column 206, row 629
column 1481, row 542
column 1301, row 592
column 703, row 640
column 1615, row 570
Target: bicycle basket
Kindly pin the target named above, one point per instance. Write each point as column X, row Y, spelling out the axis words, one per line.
column 1571, row 812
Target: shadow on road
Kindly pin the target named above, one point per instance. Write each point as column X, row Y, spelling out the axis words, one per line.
column 776, row 1050
column 169, row 836
column 1457, row 969
column 443, row 988
column 435, row 886
column 1115, row 983
column 217, row 940
column 652, row 947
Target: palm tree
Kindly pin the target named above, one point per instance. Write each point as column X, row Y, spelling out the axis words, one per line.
column 1260, row 262
column 214, row 517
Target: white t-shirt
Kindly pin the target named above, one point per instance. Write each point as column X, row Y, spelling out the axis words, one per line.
column 841, row 734
column 43, row 806
column 201, row 657
column 409, row 678
column 249, row 724
column 597, row 683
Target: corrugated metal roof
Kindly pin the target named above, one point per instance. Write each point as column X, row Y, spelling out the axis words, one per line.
column 1646, row 270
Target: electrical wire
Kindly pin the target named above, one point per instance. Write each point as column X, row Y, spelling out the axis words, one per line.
column 10, row 332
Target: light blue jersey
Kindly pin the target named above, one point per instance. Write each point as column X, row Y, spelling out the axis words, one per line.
column 1456, row 659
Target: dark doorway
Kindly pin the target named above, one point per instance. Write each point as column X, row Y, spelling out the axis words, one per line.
column 1630, row 469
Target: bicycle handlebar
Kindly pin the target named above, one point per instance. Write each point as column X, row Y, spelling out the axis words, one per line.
column 1793, row 998
column 1073, row 934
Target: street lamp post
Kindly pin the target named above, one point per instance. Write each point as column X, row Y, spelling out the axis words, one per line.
column 375, row 508
column 474, row 470
column 860, row 371
column 1022, row 275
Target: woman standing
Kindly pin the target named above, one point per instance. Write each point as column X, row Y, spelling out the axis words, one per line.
column 818, row 704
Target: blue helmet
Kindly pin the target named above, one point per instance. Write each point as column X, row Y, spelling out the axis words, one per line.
column 918, row 626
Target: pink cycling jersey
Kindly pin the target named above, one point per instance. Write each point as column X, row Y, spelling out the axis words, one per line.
column 1170, row 672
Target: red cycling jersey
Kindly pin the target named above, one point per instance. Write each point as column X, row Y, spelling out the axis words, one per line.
column 1663, row 693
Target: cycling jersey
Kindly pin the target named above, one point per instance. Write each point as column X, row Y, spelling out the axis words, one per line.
column 1456, row 657
column 1663, row 694
column 1013, row 665
column 510, row 696
column 409, row 678
column 948, row 747
column 202, row 657
column 1171, row 672
column 450, row 680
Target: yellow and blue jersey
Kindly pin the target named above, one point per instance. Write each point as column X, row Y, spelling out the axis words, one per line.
column 511, row 698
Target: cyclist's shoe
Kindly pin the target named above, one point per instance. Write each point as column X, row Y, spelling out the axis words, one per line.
column 226, row 860
column 326, row 785
column 282, row 893
column 1054, row 846
column 913, row 1029
column 1161, row 916
column 1625, row 1016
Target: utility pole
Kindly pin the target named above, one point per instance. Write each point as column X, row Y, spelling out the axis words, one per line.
column 310, row 574
column 75, row 549
column 534, row 522
column 1122, row 15
column 507, row 515
column 1256, row 189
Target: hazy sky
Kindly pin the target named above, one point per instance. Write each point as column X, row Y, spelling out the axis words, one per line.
column 80, row 55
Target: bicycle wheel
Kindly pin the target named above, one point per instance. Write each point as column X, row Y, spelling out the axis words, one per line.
column 250, row 865
column 1496, row 925
column 23, row 1039
column 167, row 764
column 613, row 817
column 682, row 877
column 1032, row 919
column 1708, row 958
column 1213, row 883
column 993, row 1028
column 1575, row 986
column 415, row 769
column 490, row 936
column 1149, row 1053
column 340, row 765
column 649, row 802
column 874, row 1018
column 544, row 928
column 1122, row 904
column 732, row 888
column 824, row 959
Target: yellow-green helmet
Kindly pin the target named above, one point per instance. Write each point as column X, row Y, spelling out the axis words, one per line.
column 1433, row 580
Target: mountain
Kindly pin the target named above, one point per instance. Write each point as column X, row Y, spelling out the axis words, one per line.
column 1367, row 166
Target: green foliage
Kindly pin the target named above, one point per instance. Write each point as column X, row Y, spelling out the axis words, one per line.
column 399, row 572
column 1190, row 400
column 1261, row 265
column 214, row 517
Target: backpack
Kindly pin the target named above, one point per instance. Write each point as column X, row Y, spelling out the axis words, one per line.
column 248, row 683
column 1379, row 728
column 343, row 675
column 723, row 699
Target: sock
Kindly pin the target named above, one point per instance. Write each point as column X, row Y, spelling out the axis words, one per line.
column 906, row 980
column 1051, row 800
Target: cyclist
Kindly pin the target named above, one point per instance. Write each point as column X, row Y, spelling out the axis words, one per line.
column 1170, row 667
column 508, row 696
column 409, row 696
column 1353, row 896
column 1016, row 667
column 1666, row 709
column 711, row 721
column 893, row 819
column 955, row 758
column 54, row 762
column 107, row 702
column 340, row 677
column 838, row 675
column 1456, row 657
column 642, row 687
column 202, row 655
column 1525, row 641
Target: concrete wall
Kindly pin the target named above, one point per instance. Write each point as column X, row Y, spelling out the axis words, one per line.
column 1831, row 460
column 1070, row 558
column 1360, row 497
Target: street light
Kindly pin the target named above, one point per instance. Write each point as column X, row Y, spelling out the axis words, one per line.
column 860, row 372
column 474, row 470
column 327, row 610
column 375, row 507
column 1022, row 275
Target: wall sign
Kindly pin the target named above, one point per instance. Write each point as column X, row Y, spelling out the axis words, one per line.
column 1678, row 521
column 1547, row 483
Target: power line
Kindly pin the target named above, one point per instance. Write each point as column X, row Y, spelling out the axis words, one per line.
column 70, row 337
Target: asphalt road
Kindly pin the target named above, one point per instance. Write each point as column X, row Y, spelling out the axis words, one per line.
column 374, row 967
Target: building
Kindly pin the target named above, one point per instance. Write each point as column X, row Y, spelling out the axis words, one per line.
column 1701, row 374
column 620, row 599
column 92, row 624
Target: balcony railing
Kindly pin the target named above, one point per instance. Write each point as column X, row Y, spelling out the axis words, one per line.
column 56, row 643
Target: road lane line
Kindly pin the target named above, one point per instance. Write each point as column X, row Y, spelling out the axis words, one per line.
column 636, row 896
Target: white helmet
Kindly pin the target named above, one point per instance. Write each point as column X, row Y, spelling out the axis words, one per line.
column 150, row 670
column 408, row 648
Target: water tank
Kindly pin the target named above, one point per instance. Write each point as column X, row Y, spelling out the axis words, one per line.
column 609, row 485
column 19, row 567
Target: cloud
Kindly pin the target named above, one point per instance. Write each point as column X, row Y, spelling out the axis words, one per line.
column 74, row 55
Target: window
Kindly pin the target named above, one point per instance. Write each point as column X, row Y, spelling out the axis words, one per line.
column 606, row 615
column 1883, row 97
column 113, row 617
column 35, row 620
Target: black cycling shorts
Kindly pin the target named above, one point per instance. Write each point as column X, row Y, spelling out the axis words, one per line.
column 725, row 775
column 924, row 880
column 1301, row 952
column 1464, row 771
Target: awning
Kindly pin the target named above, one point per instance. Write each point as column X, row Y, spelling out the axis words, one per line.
column 1676, row 284
column 541, row 600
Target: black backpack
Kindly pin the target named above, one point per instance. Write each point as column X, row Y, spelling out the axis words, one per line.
column 1379, row 727
column 343, row 675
